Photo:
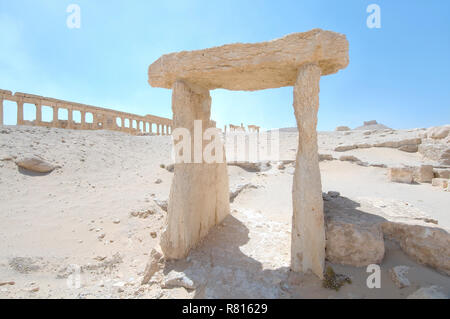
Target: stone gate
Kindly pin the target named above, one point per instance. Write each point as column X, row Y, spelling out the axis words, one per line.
column 199, row 194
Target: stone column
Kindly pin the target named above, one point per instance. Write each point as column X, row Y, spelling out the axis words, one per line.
column 55, row 116
column 199, row 195
column 38, row 114
column 1, row 111
column 20, row 113
column 69, row 118
column 308, row 232
column 157, row 129
column 83, row 119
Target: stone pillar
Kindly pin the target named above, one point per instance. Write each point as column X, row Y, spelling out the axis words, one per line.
column 38, row 114
column 199, row 195
column 308, row 232
column 1, row 111
column 20, row 113
column 69, row 118
column 55, row 116
column 157, row 128
column 83, row 119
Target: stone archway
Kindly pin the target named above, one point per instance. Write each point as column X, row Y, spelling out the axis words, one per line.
column 199, row 196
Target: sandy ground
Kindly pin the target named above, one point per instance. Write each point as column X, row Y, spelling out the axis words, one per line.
column 82, row 216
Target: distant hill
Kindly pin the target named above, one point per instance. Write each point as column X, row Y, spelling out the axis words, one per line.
column 372, row 125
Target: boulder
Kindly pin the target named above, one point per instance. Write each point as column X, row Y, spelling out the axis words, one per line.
column 401, row 175
column 438, row 132
column 342, row 128
column 352, row 237
column 441, row 173
column 435, row 150
column 424, row 242
column 178, row 279
column 409, row 148
column 36, row 164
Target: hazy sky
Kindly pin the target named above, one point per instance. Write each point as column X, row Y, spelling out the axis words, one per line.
column 398, row 74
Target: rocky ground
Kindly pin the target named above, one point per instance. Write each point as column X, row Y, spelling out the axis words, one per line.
column 87, row 229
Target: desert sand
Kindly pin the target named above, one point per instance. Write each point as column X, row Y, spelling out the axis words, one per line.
column 101, row 211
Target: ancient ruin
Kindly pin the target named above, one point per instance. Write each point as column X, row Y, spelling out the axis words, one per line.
column 102, row 118
column 199, row 194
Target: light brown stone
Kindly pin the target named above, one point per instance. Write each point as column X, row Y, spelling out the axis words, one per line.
column 401, row 175
column 308, row 230
column 199, row 197
column 440, row 182
column 425, row 174
column 255, row 66
column 35, row 164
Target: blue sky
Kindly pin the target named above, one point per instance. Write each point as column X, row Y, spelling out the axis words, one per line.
column 398, row 74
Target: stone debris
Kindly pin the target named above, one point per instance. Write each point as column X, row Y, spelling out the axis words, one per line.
column 178, row 279
column 432, row 292
column 342, row 128
column 440, row 182
column 398, row 276
column 236, row 190
column 155, row 263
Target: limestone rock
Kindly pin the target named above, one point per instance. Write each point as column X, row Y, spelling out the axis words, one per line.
column 441, row 173
column 438, row 132
column 352, row 238
column 255, row 66
column 325, row 157
column 398, row 276
column 344, row 148
column 178, row 279
column 409, row 148
column 436, row 150
column 401, row 175
column 426, row 243
column 349, row 158
column 424, row 174
column 154, row 264
column 432, row 292
column 36, row 164
column 440, row 182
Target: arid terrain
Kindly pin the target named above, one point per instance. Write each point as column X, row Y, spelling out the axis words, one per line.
column 86, row 229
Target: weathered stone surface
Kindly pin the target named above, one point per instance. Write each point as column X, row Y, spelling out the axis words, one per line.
column 154, row 264
column 349, row 158
column 401, row 175
column 344, row 148
column 409, row 148
column 236, row 190
column 353, row 238
column 254, row 66
column 178, row 279
column 432, row 292
column 424, row 174
column 36, row 164
column 436, row 150
column 441, row 173
column 325, row 157
column 308, row 231
column 424, row 242
column 199, row 196
column 438, row 132
column 398, row 276
column 440, row 182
